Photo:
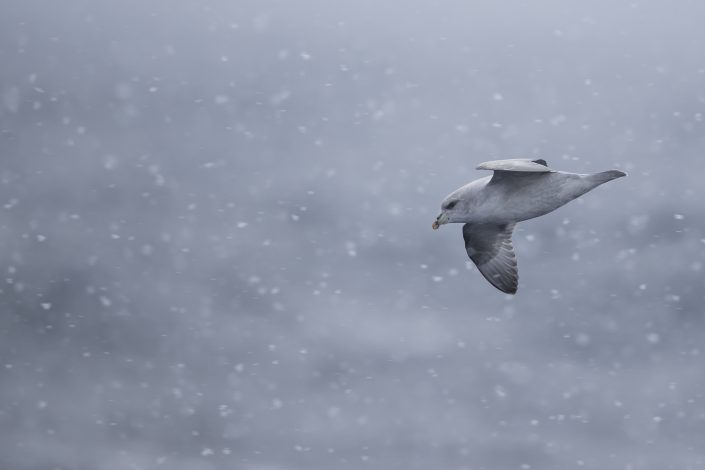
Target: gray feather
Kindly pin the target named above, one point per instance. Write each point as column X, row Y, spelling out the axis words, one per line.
column 490, row 247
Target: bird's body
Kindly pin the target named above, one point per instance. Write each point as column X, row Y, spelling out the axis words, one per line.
column 516, row 198
column 518, row 190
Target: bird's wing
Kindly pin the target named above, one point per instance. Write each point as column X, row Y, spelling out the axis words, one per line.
column 515, row 168
column 517, row 164
column 490, row 248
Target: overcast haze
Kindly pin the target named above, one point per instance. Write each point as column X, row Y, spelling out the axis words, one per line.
column 216, row 244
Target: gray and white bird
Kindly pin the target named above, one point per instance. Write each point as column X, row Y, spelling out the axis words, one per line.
column 490, row 207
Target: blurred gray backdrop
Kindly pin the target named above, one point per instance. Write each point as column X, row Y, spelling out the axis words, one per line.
column 216, row 244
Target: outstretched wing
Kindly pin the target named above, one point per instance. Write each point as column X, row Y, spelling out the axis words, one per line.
column 489, row 246
column 517, row 164
column 515, row 168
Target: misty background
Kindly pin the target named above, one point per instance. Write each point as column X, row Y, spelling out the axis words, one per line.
column 216, row 244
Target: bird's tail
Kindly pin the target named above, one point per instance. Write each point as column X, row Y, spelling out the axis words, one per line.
column 605, row 176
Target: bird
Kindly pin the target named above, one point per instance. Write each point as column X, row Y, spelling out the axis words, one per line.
column 490, row 207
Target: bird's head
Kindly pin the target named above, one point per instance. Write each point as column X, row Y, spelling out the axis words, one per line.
column 448, row 211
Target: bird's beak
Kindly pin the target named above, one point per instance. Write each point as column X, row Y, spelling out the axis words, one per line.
column 440, row 220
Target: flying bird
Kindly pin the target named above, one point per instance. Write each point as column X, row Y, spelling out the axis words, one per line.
column 490, row 207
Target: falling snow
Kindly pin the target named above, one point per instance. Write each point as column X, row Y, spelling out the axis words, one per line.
column 217, row 248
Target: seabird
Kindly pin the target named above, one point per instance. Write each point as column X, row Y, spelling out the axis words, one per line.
column 490, row 207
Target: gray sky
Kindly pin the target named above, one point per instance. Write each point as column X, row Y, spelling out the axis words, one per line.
column 217, row 248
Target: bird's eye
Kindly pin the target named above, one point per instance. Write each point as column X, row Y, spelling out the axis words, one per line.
column 451, row 204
